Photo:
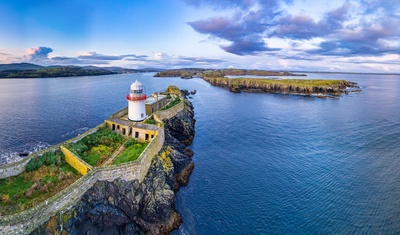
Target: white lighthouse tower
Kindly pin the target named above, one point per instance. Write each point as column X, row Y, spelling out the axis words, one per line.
column 136, row 102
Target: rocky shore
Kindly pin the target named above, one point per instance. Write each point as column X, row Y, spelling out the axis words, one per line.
column 131, row 207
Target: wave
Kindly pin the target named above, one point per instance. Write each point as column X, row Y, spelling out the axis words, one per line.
column 13, row 156
column 75, row 132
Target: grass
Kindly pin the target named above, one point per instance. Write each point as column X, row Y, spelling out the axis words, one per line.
column 285, row 82
column 176, row 101
column 131, row 153
column 96, row 148
column 150, row 121
column 28, row 189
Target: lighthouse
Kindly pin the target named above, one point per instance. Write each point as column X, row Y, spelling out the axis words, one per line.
column 136, row 102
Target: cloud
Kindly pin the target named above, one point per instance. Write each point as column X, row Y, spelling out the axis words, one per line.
column 159, row 59
column 160, row 56
column 163, row 60
column 221, row 4
column 361, row 27
column 244, row 31
column 200, row 60
column 38, row 53
column 96, row 56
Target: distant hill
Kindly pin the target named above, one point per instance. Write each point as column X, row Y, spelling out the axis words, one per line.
column 27, row 70
column 115, row 69
column 64, row 71
column 20, row 66
column 152, row 70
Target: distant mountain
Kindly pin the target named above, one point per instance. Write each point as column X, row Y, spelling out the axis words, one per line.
column 20, row 66
column 115, row 69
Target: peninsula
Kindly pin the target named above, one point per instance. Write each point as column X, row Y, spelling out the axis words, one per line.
column 321, row 88
column 308, row 87
column 117, row 178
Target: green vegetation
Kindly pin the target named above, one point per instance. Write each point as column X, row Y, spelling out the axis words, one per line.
column 131, row 153
column 29, row 188
column 173, row 90
column 307, row 86
column 196, row 72
column 150, row 121
column 176, row 101
column 96, row 148
column 293, row 82
column 129, row 142
column 65, row 71
column 184, row 73
column 48, row 159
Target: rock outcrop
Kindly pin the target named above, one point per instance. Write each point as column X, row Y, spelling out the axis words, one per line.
column 131, row 207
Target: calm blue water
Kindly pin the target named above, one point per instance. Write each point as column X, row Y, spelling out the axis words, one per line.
column 264, row 163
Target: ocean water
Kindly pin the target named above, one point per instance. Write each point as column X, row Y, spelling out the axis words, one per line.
column 264, row 163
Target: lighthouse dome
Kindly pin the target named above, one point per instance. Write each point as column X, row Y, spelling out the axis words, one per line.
column 136, row 86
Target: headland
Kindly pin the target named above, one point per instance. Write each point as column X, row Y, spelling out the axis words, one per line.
column 131, row 197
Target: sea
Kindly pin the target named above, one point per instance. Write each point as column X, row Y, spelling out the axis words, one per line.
column 264, row 163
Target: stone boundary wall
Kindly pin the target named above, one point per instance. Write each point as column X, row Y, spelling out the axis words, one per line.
column 120, row 113
column 169, row 113
column 76, row 162
column 25, row 222
column 16, row 168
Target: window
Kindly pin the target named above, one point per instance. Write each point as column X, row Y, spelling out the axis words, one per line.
column 123, row 131
column 136, row 134
column 113, row 127
column 152, row 136
column 147, row 136
column 142, row 115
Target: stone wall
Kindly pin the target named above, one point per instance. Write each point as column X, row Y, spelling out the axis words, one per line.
column 169, row 113
column 75, row 161
column 26, row 221
column 16, row 168
column 120, row 113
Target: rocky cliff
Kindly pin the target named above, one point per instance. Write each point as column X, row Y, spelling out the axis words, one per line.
column 285, row 86
column 131, row 207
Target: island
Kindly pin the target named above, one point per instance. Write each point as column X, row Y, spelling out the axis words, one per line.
column 282, row 85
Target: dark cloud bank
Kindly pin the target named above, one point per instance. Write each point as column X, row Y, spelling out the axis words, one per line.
column 255, row 20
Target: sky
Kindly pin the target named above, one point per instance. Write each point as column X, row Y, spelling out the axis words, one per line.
column 292, row 35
